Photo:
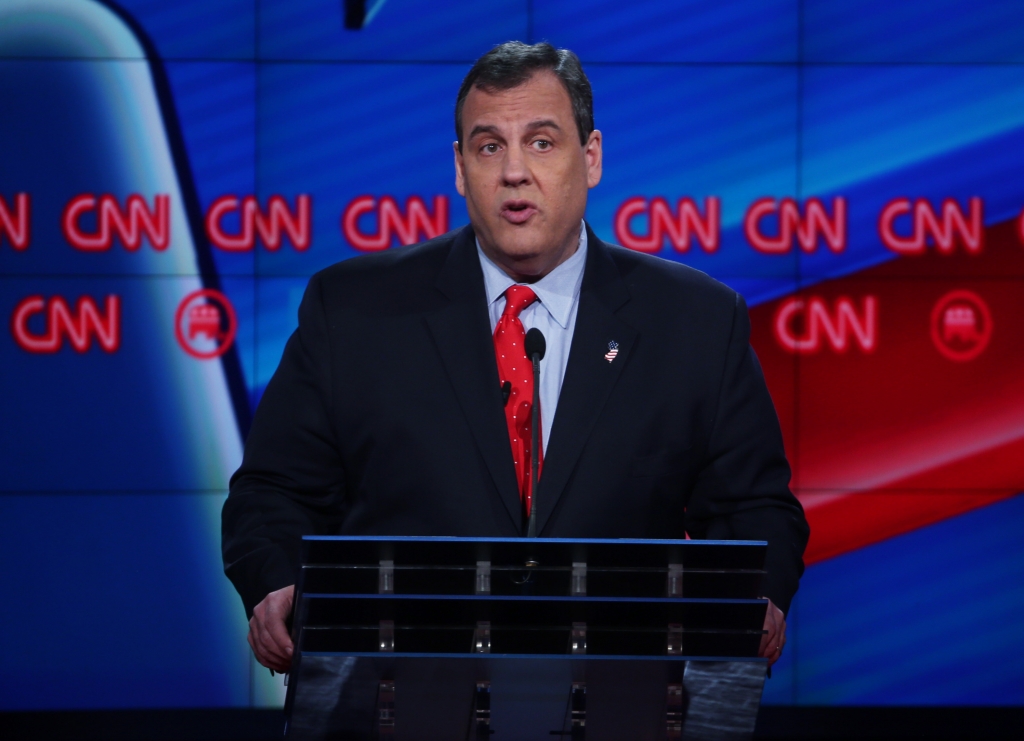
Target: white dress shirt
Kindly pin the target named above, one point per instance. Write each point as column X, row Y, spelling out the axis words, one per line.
column 554, row 314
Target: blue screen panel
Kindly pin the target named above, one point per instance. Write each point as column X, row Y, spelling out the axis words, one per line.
column 929, row 31
column 666, row 31
column 279, row 300
column 125, row 605
column 85, row 141
column 392, row 30
column 337, row 133
column 105, row 390
column 929, row 618
column 872, row 134
column 216, row 110
column 664, row 138
column 197, row 29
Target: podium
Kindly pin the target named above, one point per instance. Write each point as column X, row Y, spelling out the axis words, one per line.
column 426, row 638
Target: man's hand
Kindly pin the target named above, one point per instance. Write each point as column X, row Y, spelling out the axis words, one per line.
column 774, row 640
column 268, row 633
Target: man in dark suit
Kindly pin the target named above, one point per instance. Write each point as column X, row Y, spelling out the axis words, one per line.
column 401, row 407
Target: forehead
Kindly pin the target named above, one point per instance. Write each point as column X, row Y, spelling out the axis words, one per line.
column 543, row 96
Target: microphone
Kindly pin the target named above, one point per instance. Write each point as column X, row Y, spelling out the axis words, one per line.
column 535, row 347
column 535, row 344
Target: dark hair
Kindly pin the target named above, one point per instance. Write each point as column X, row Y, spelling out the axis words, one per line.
column 511, row 64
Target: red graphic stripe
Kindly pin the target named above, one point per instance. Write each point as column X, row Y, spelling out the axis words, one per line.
column 890, row 422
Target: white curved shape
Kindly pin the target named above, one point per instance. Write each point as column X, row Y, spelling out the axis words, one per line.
column 73, row 29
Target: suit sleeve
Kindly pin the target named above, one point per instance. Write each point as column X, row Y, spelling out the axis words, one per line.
column 291, row 480
column 742, row 492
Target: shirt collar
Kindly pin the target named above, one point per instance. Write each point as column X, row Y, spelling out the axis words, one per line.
column 557, row 291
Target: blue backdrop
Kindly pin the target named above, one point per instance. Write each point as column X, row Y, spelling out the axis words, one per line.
column 123, row 417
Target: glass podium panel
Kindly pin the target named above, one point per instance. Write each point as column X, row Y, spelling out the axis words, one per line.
column 454, row 638
column 527, row 698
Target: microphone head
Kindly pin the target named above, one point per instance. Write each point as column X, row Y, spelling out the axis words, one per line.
column 535, row 344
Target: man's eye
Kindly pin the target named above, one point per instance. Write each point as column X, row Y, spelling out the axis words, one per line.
column 542, row 144
column 489, row 148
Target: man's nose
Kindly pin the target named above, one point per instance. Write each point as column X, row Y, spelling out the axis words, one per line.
column 515, row 169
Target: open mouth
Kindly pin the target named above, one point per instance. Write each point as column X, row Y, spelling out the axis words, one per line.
column 518, row 211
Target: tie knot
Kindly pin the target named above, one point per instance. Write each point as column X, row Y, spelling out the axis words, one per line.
column 518, row 298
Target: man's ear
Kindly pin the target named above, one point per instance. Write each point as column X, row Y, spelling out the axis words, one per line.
column 460, row 176
column 593, row 154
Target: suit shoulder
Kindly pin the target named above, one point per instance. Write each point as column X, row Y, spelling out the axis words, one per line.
column 389, row 265
column 393, row 280
column 661, row 279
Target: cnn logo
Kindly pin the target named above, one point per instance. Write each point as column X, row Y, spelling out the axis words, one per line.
column 80, row 325
column 393, row 224
column 129, row 223
column 805, row 326
column 270, row 224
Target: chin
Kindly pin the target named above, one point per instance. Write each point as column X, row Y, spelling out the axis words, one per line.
column 521, row 243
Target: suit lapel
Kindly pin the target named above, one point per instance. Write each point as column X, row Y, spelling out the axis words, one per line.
column 462, row 333
column 589, row 377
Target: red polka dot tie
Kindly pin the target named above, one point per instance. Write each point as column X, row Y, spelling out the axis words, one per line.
column 515, row 368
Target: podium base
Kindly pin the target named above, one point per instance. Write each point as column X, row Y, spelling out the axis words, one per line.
column 374, row 696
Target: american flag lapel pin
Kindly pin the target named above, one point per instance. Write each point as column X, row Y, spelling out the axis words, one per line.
column 613, row 350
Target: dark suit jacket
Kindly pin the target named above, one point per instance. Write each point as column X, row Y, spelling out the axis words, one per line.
column 385, row 416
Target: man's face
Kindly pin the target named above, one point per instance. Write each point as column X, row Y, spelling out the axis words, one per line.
column 525, row 175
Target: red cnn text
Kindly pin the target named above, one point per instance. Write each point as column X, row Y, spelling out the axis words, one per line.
column 808, row 228
column 128, row 224
column 679, row 227
column 271, row 225
column 412, row 226
column 805, row 326
column 79, row 326
column 928, row 228
column 15, row 224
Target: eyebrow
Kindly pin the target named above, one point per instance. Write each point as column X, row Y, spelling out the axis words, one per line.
column 544, row 123
column 479, row 129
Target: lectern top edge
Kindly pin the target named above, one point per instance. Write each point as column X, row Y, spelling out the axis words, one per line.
column 534, row 657
column 538, row 598
column 582, row 541
column 441, row 552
